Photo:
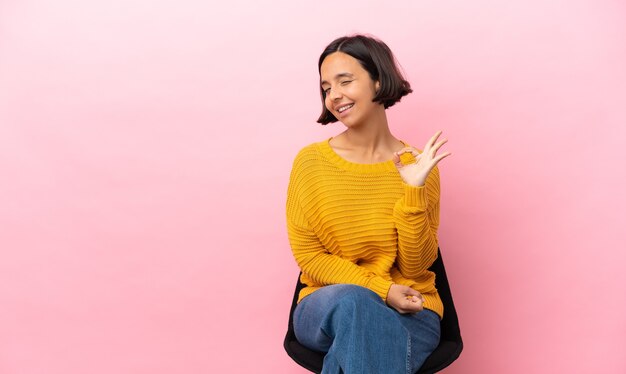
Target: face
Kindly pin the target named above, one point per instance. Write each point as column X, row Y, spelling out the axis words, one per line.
column 349, row 89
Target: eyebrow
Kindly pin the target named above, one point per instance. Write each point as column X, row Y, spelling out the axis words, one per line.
column 340, row 75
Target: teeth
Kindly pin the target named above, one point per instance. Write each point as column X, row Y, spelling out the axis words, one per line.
column 344, row 108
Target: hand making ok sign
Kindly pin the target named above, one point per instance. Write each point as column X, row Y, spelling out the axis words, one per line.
column 415, row 174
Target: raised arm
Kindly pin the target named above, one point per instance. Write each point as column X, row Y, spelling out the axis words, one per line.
column 416, row 217
column 416, row 214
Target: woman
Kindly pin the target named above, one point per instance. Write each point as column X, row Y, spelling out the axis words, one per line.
column 362, row 218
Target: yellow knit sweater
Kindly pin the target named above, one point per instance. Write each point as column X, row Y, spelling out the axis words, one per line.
column 361, row 224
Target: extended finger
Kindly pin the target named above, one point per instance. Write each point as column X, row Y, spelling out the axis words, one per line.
column 437, row 146
column 433, row 140
column 441, row 157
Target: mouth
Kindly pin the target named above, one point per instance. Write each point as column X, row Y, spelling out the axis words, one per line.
column 344, row 109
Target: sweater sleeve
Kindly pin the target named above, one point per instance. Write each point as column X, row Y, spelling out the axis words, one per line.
column 416, row 217
column 321, row 266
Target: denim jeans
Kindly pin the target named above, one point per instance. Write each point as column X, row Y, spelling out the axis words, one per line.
column 361, row 334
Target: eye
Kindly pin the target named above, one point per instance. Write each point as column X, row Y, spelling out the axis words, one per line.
column 345, row 82
column 326, row 91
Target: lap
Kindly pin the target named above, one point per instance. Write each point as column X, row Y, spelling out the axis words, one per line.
column 327, row 297
column 313, row 310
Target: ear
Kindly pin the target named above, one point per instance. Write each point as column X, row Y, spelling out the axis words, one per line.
column 377, row 85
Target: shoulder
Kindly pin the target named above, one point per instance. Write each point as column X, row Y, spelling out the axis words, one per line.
column 308, row 153
column 306, row 164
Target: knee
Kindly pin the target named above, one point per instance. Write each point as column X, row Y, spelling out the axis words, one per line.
column 355, row 297
column 360, row 309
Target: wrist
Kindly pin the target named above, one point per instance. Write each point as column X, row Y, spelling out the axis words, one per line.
column 419, row 183
column 415, row 198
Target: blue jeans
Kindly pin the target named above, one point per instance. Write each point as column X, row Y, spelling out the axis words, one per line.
column 361, row 334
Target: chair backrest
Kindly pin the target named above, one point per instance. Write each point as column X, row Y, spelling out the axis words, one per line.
column 450, row 345
column 450, row 323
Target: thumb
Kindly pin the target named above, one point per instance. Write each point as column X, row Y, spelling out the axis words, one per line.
column 396, row 160
column 411, row 292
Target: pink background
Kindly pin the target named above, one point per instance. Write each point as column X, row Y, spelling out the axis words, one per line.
column 145, row 151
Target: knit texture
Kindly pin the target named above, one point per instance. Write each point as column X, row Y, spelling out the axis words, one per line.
column 361, row 224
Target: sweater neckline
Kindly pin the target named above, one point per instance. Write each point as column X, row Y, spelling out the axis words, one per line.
column 329, row 152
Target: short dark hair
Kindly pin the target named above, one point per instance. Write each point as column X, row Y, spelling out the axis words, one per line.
column 378, row 60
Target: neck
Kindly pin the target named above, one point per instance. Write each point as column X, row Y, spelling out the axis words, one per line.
column 372, row 137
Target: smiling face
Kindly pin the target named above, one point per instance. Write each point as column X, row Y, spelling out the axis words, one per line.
column 348, row 89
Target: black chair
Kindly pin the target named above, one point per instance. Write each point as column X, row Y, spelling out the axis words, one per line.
column 449, row 348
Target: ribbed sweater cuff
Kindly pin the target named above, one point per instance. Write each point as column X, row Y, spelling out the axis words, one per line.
column 415, row 197
column 380, row 286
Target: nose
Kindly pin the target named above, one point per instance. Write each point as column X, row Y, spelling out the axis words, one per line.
column 334, row 94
